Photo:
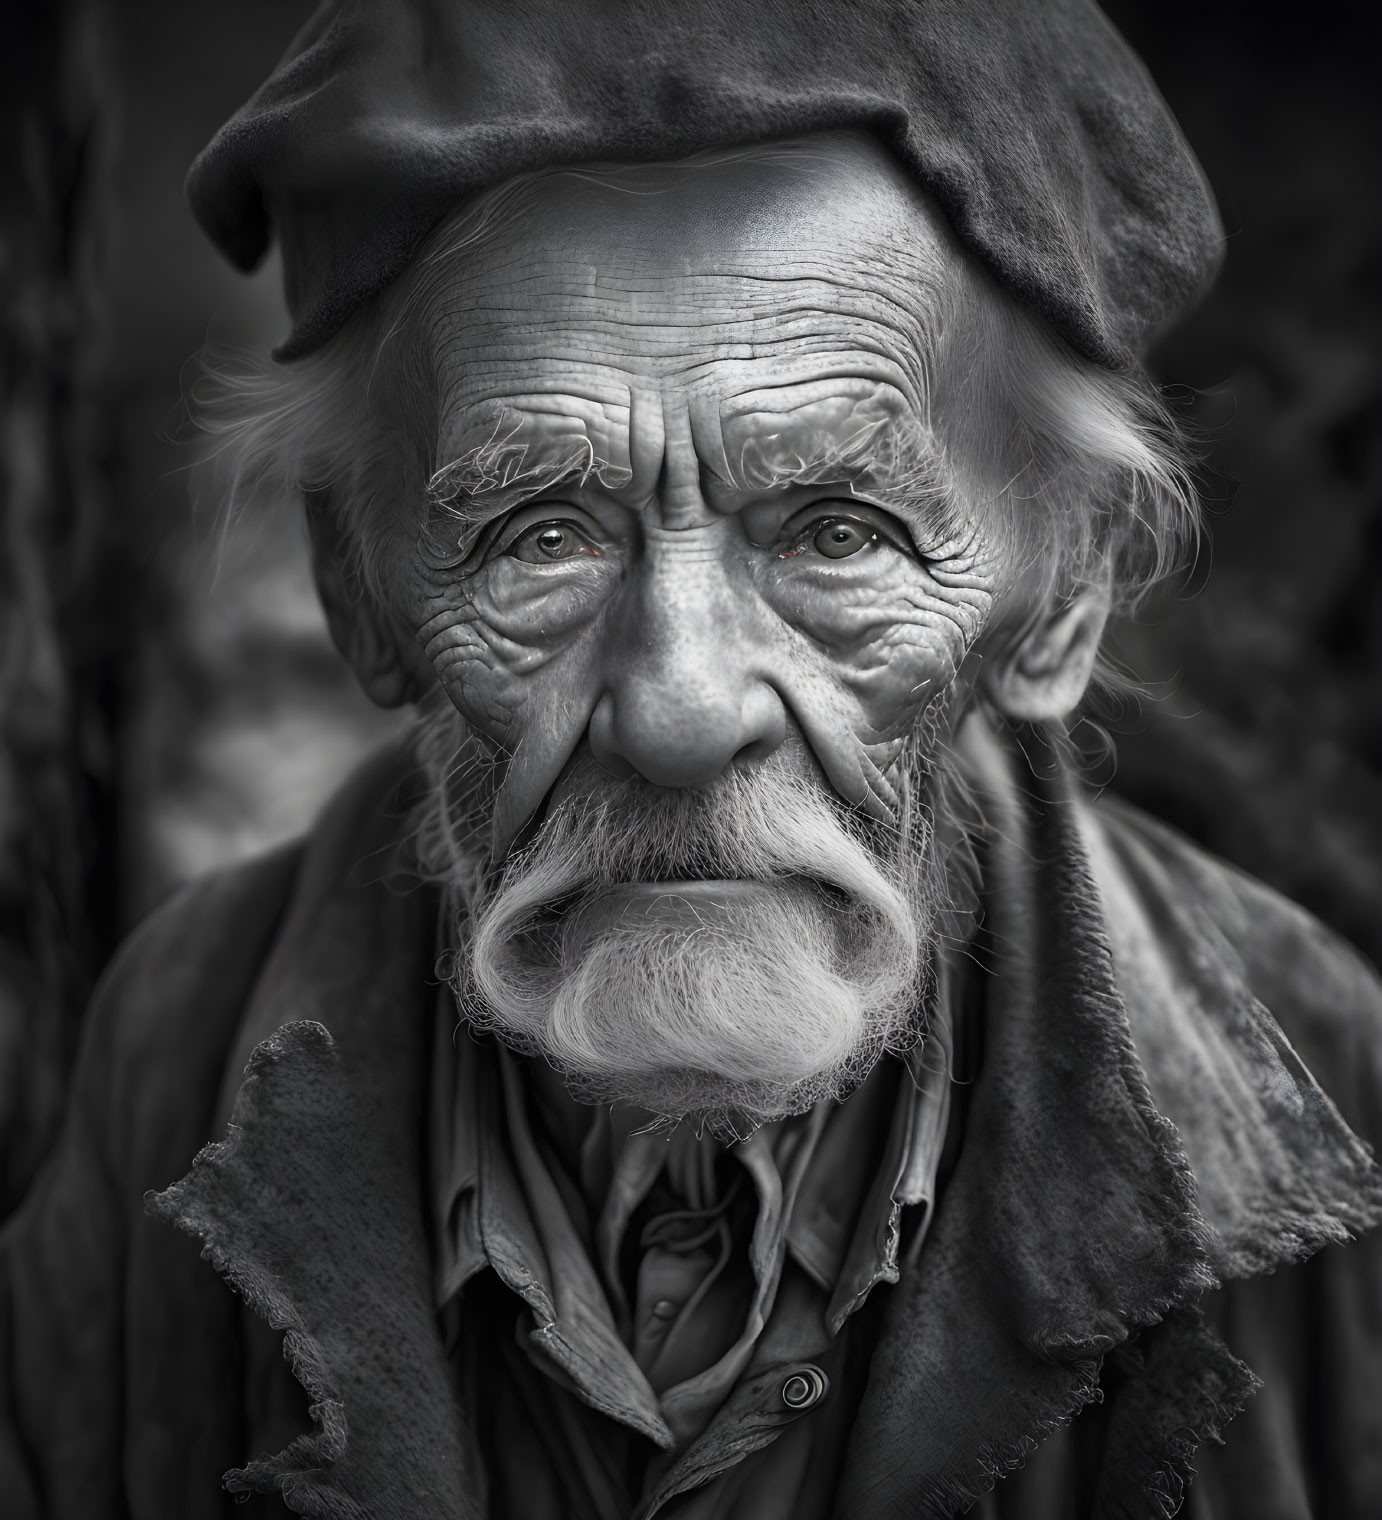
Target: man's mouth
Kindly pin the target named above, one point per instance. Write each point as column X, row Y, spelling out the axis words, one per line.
column 643, row 897
column 681, row 906
column 677, row 904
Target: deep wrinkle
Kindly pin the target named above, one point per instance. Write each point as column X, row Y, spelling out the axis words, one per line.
column 682, row 418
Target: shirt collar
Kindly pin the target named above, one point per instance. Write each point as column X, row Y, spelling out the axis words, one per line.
column 855, row 1166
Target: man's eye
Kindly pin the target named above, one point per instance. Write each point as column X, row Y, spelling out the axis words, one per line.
column 836, row 538
column 546, row 542
column 840, row 538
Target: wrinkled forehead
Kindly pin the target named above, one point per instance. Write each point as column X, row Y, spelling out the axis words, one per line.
column 816, row 265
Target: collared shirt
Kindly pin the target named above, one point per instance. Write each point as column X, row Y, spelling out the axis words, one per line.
column 640, row 1322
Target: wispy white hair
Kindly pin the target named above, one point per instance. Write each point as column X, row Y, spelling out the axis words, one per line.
column 1086, row 469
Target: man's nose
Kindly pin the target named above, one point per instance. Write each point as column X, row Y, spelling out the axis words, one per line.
column 686, row 694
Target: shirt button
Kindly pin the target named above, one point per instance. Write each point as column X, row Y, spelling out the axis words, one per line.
column 805, row 1388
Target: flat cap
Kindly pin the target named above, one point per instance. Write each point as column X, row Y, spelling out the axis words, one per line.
column 1031, row 122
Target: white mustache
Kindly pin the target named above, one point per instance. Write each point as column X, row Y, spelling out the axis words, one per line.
column 788, row 991
column 758, row 826
column 735, row 1005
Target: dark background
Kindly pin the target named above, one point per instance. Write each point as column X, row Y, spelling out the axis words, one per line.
column 168, row 700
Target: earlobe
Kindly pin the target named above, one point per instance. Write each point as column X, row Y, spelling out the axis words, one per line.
column 359, row 627
column 1045, row 675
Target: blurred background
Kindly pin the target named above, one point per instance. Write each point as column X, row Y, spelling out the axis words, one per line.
column 168, row 697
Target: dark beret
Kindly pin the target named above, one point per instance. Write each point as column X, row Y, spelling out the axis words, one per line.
column 1030, row 121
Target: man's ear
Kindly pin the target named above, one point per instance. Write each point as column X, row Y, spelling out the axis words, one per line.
column 363, row 632
column 1044, row 675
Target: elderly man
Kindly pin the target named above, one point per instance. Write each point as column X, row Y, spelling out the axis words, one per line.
column 721, row 1064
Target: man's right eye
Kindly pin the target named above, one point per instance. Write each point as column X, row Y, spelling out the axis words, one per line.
column 550, row 541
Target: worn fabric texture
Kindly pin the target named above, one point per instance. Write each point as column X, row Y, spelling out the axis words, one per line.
column 1030, row 121
column 1060, row 1325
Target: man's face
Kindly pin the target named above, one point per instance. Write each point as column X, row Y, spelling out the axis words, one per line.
column 698, row 535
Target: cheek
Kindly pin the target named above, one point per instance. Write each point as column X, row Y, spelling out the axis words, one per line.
column 508, row 642
column 890, row 634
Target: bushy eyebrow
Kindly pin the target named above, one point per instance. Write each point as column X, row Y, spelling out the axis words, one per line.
column 503, row 472
column 505, row 465
column 903, row 464
column 817, row 456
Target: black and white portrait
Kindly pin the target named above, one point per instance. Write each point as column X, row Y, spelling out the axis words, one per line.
column 690, row 761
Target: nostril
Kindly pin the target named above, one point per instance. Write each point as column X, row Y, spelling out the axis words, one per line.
column 764, row 717
column 615, row 764
column 754, row 751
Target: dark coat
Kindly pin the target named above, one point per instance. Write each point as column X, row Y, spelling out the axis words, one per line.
column 1135, row 1136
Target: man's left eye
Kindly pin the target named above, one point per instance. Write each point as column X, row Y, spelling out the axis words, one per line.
column 835, row 538
column 549, row 541
column 839, row 538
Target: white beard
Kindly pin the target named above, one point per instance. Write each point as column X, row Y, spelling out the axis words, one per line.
column 781, row 985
